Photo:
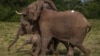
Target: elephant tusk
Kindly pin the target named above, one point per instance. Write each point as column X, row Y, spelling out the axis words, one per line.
column 18, row 13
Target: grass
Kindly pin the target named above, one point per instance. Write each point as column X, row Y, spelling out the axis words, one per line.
column 8, row 31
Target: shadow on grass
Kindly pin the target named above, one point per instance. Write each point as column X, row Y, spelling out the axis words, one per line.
column 60, row 52
column 64, row 53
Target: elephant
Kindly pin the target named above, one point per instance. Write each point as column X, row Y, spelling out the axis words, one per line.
column 69, row 27
column 27, row 27
column 53, row 24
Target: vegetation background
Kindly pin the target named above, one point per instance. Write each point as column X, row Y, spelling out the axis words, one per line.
column 9, row 23
column 90, row 8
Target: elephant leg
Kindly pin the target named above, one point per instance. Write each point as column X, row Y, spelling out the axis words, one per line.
column 33, row 50
column 25, row 43
column 70, row 48
column 84, row 50
column 36, row 51
column 56, row 42
column 45, row 42
column 51, row 46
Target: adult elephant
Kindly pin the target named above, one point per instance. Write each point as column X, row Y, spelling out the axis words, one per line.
column 66, row 26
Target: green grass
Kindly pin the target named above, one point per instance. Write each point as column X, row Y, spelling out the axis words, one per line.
column 8, row 31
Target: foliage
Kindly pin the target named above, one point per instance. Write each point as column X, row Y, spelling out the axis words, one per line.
column 89, row 9
column 93, row 9
column 8, row 8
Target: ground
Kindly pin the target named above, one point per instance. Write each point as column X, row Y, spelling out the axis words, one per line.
column 8, row 31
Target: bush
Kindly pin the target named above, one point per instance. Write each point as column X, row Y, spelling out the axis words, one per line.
column 8, row 8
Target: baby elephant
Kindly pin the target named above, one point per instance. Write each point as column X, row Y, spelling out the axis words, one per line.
column 31, row 39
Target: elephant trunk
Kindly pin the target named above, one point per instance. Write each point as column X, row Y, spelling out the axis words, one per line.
column 23, row 21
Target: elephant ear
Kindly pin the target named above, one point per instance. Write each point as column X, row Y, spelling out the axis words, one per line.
column 32, row 10
column 39, row 6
